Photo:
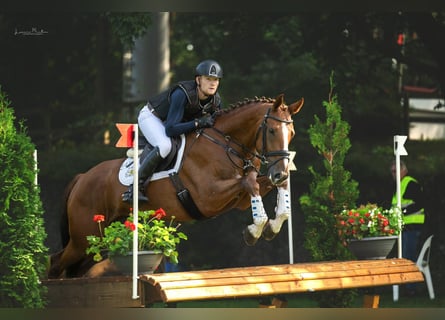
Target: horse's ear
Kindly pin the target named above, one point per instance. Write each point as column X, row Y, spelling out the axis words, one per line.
column 279, row 100
column 296, row 106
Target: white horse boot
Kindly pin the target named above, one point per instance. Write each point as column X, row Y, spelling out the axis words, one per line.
column 282, row 210
column 259, row 217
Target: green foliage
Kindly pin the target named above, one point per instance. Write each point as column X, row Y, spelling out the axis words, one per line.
column 153, row 234
column 260, row 50
column 331, row 190
column 129, row 26
column 22, row 233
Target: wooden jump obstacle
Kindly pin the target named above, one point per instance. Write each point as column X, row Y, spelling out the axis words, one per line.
column 275, row 280
column 84, row 292
column 230, row 283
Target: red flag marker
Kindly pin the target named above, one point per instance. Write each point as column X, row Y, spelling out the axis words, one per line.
column 127, row 135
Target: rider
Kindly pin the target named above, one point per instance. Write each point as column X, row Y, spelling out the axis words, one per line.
column 187, row 106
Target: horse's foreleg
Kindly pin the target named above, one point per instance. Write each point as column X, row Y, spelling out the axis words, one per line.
column 253, row 231
column 282, row 212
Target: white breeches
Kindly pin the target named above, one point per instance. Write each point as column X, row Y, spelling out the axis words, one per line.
column 154, row 131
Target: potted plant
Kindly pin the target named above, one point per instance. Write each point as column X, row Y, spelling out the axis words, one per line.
column 156, row 239
column 369, row 231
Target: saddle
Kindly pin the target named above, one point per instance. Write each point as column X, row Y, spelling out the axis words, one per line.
column 166, row 169
column 171, row 158
column 169, row 165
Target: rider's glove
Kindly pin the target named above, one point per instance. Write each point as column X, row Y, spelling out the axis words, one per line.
column 206, row 121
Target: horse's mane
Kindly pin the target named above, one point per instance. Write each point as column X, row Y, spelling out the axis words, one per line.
column 246, row 101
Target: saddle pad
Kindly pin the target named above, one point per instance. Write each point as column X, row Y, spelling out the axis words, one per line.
column 126, row 169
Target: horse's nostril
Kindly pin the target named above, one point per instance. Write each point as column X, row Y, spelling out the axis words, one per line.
column 279, row 177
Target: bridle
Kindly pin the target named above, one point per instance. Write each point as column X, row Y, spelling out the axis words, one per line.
column 246, row 155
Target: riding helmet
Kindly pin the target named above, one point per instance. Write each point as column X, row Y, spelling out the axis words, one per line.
column 209, row 68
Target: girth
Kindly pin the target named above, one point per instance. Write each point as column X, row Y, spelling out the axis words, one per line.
column 185, row 198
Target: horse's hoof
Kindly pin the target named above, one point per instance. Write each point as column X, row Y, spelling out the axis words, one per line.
column 268, row 234
column 248, row 238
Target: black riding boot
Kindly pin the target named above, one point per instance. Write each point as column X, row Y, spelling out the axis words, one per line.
column 146, row 170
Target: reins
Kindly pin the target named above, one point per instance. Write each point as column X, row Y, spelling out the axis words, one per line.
column 248, row 161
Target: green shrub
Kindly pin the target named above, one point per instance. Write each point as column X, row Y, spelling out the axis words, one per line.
column 331, row 190
column 22, row 233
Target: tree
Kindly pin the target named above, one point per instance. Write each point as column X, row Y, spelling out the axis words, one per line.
column 67, row 83
column 425, row 49
column 331, row 190
column 22, row 235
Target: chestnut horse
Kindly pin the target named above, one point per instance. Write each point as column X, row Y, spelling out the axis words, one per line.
column 220, row 169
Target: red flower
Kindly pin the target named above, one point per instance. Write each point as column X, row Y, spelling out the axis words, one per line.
column 160, row 213
column 129, row 225
column 99, row 218
column 366, row 221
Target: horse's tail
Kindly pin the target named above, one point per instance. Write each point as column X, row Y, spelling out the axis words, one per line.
column 64, row 227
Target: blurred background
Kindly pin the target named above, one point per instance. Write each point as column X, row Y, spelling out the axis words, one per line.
column 71, row 76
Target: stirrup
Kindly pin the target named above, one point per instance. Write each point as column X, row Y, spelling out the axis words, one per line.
column 127, row 196
column 142, row 197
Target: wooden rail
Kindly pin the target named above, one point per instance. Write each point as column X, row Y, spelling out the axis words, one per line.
column 275, row 280
column 115, row 291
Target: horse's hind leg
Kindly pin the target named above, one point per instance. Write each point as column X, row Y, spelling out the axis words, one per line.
column 64, row 261
column 253, row 232
column 282, row 212
column 55, row 270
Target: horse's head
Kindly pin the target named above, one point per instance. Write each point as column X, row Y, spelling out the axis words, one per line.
column 276, row 132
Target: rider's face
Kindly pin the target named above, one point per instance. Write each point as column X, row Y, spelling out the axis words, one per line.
column 207, row 86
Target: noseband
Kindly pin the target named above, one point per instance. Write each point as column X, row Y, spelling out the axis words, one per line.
column 247, row 161
column 283, row 154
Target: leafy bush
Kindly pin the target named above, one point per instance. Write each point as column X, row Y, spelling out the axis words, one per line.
column 22, row 233
column 331, row 190
column 154, row 234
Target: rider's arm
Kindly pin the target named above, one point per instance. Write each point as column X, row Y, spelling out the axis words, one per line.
column 173, row 125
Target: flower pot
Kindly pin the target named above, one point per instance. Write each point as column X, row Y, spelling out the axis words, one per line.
column 372, row 248
column 148, row 262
